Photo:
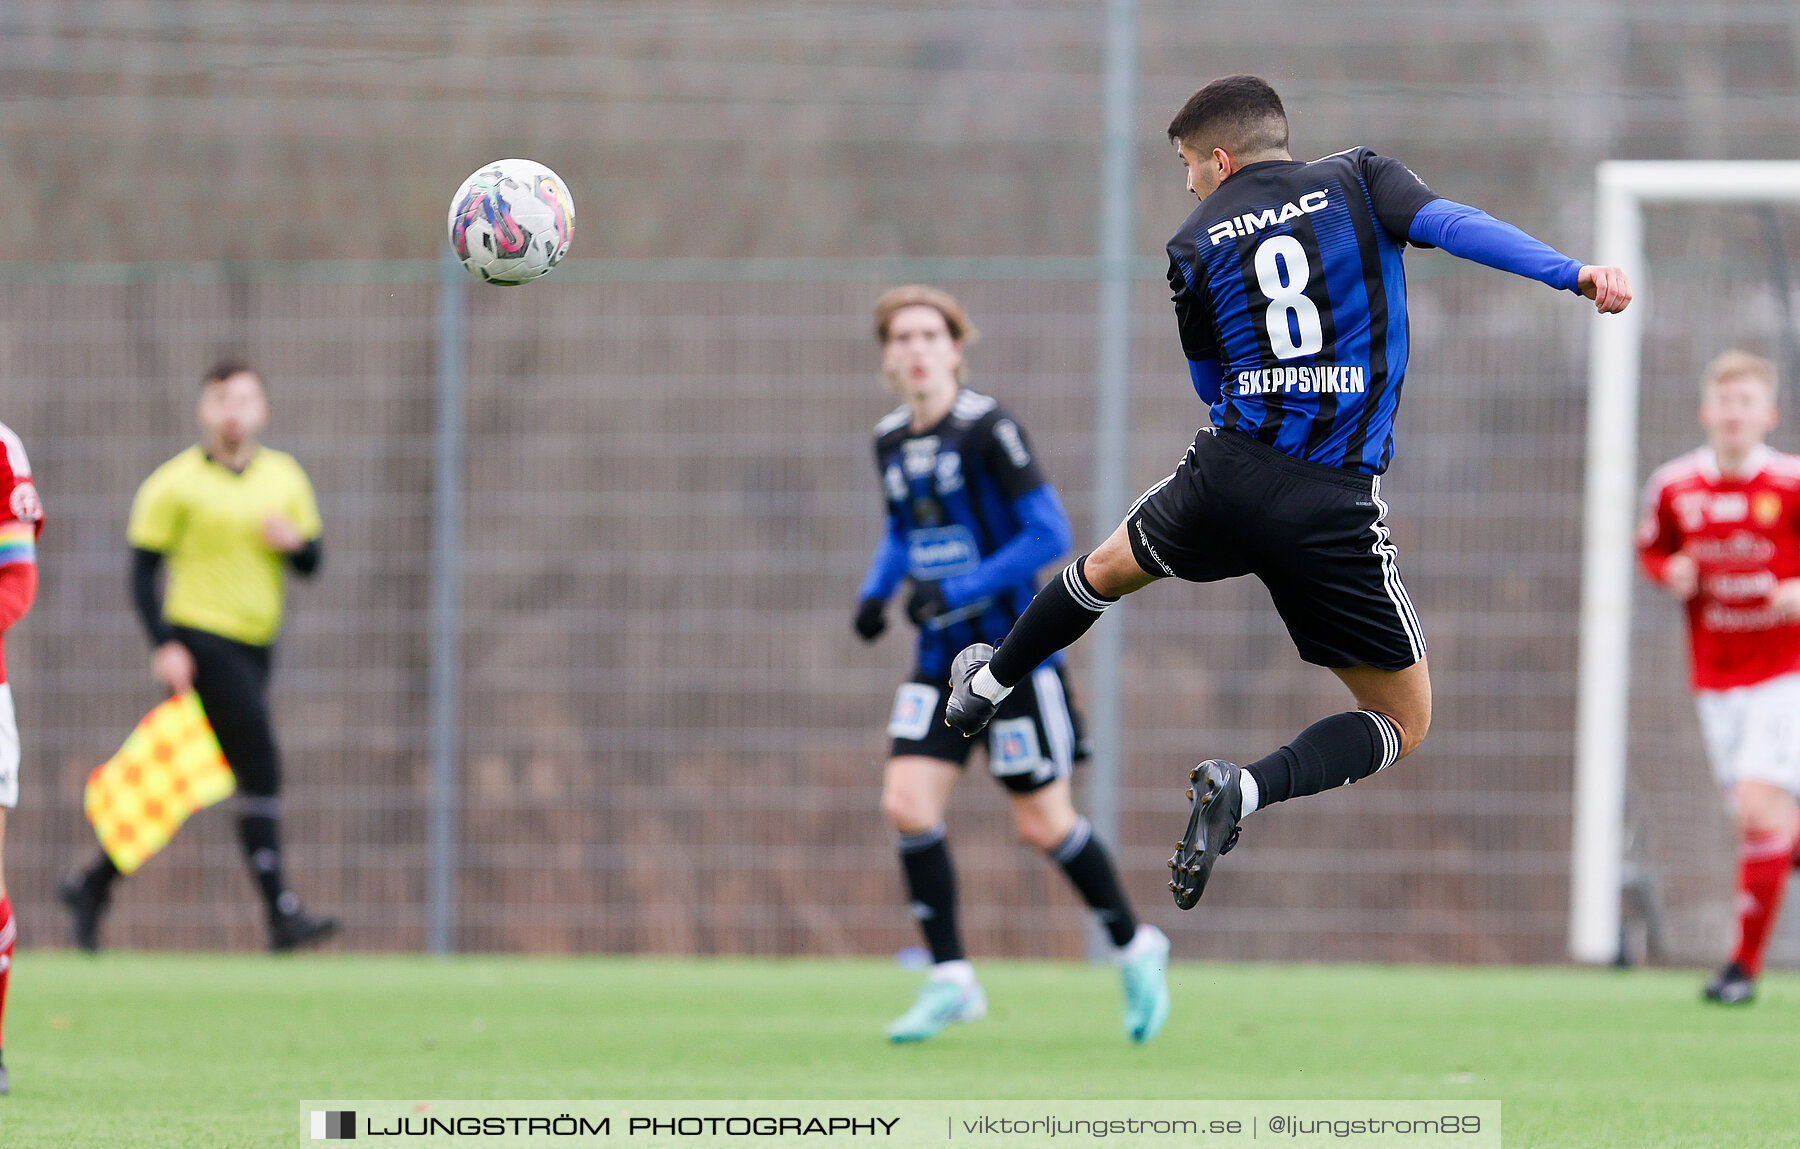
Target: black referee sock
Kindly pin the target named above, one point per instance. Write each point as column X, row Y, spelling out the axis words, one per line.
column 97, row 879
column 931, row 881
column 1090, row 868
column 1333, row 751
column 1060, row 613
column 261, row 836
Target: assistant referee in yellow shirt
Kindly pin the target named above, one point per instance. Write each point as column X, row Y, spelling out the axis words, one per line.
column 227, row 518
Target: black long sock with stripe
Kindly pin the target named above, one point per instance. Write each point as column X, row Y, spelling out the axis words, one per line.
column 931, row 881
column 1061, row 613
column 1333, row 751
column 1090, row 869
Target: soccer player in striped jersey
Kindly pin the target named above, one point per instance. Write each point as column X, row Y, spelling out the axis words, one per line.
column 229, row 518
column 1290, row 299
column 970, row 520
column 21, row 521
column 1721, row 533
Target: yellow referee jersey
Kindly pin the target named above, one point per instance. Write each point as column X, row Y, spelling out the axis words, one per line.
column 206, row 521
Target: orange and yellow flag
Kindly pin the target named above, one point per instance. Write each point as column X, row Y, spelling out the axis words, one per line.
column 169, row 767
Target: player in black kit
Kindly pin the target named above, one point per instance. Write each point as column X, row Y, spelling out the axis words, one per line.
column 1290, row 297
column 970, row 521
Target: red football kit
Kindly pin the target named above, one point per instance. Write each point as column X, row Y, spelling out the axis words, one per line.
column 21, row 521
column 1743, row 532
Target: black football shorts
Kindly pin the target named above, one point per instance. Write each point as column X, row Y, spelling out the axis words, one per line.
column 1315, row 535
column 1034, row 739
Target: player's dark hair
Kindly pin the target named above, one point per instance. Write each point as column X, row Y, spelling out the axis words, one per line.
column 225, row 369
column 1241, row 114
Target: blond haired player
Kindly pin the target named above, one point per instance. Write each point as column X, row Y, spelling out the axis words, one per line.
column 970, row 521
column 1721, row 532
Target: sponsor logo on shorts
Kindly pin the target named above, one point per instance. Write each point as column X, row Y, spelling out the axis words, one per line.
column 1013, row 747
column 914, row 705
column 1144, row 537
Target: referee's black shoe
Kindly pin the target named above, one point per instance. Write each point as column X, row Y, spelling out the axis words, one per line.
column 968, row 712
column 299, row 929
column 85, row 905
column 1212, row 828
column 1730, row 986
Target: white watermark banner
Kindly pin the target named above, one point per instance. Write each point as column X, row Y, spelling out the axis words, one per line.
column 908, row 1124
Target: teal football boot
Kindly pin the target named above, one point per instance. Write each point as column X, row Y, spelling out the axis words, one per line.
column 1145, row 976
column 939, row 1004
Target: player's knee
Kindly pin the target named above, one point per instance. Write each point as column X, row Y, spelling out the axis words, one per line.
column 1763, row 811
column 906, row 811
column 1112, row 569
column 1413, row 731
column 1035, row 830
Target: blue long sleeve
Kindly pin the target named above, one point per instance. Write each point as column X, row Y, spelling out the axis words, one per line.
column 888, row 566
column 1044, row 534
column 1208, row 379
column 1475, row 235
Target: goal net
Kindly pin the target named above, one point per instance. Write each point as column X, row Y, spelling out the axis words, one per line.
column 1713, row 250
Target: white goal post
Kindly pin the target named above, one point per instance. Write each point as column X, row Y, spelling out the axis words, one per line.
column 1609, row 513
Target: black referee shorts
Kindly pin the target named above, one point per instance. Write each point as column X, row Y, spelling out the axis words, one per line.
column 1315, row 536
column 232, row 679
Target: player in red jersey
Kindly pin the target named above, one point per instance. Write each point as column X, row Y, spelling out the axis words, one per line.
column 1721, row 531
column 21, row 519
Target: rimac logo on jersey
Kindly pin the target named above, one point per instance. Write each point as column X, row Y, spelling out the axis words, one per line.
column 1252, row 222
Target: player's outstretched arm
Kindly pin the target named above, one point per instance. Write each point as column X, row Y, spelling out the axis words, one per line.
column 1473, row 234
column 1606, row 286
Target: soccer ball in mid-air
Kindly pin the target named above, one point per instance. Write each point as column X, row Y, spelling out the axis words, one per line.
column 511, row 221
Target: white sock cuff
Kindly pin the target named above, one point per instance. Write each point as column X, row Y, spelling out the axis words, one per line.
column 1146, row 937
column 1251, row 791
column 1084, row 595
column 958, row 972
column 1387, row 734
column 1074, row 842
column 984, row 683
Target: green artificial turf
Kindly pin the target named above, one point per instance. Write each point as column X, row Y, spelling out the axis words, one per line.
column 199, row 1050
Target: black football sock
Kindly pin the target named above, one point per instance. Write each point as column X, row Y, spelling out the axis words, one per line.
column 260, row 833
column 931, row 881
column 97, row 879
column 1333, row 751
column 1090, row 868
column 1061, row 613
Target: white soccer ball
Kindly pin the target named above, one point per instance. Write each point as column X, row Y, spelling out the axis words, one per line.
column 511, row 221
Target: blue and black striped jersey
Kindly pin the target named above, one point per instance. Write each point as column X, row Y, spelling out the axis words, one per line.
column 1289, row 275
column 969, row 509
